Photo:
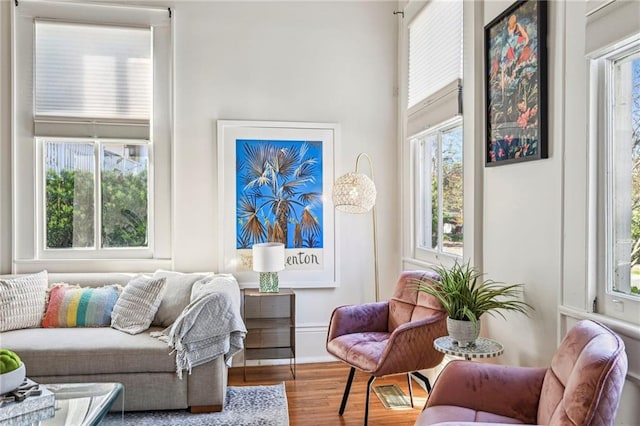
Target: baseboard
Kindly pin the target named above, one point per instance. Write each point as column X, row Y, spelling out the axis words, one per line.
column 302, row 360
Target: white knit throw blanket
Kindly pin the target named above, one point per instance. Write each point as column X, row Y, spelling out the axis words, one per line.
column 209, row 327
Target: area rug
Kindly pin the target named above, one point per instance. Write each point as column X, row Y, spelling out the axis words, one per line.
column 245, row 406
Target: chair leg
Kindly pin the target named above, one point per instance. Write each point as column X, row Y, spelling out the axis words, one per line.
column 366, row 407
column 347, row 388
column 425, row 379
column 410, row 388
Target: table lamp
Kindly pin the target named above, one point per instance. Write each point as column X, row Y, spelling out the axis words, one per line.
column 356, row 193
column 268, row 259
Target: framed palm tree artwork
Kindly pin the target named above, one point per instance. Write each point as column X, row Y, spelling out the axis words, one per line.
column 273, row 179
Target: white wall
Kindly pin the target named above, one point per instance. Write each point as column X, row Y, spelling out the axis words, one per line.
column 535, row 216
column 522, row 224
column 281, row 61
column 5, row 136
column 291, row 61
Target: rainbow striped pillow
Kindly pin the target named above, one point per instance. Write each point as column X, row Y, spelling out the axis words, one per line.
column 80, row 307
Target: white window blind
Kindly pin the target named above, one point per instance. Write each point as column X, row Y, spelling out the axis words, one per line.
column 99, row 74
column 435, row 50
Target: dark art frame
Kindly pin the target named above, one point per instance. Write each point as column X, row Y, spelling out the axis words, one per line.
column 516, row 90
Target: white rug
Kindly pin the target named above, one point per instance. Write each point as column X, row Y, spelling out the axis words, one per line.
column 245, row 406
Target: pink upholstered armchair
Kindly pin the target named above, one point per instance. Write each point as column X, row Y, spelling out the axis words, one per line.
column 390, row 337
column 581, row 388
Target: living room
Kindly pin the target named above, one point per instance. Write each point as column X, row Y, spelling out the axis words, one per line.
column 344, row 63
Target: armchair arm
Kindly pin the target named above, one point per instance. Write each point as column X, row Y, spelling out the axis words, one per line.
column 410, row 347
column 358, row 319
column 500, row 389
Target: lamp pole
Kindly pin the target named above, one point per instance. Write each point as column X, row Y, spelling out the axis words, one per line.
column 375, row 225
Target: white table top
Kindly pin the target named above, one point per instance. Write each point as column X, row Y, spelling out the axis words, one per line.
column 482, row 348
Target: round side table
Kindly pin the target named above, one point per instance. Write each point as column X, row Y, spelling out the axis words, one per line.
column 482, row 348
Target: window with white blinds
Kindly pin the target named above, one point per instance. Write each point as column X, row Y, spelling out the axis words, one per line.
column 93, row 119
column 435, row 64
column 433, row 38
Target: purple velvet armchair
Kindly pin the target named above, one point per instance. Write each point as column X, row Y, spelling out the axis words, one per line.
column 581, row 388
column 390, row 337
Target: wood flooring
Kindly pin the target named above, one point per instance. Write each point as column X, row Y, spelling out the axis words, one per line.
column 314, row 396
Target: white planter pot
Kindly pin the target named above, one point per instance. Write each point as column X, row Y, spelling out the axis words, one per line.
column 12, row 380
column 463, row 332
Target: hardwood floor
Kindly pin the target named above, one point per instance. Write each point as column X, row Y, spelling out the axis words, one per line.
column 314, row 396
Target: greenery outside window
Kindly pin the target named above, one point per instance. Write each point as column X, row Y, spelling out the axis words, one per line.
column 81, row 198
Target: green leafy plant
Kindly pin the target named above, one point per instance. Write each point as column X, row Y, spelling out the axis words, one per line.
column 71, row 209
column 465, row 295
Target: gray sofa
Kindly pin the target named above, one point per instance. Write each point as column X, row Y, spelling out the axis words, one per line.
column 143, row 364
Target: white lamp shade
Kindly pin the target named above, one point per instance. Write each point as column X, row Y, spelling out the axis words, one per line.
column 268, row 257
column 354, row 193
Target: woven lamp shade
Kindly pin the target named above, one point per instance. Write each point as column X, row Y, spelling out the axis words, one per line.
column 354, row 193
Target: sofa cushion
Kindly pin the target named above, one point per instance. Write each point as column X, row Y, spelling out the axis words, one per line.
column 176, row 296
column 138, row 304
column 22, row 301
column 453, row 415
column 78, row 351
column 80, row 307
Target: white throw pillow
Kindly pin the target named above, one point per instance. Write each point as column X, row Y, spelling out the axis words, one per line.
column 176, row 295
column 138, row 304
column 212, row 283
column 23, row 301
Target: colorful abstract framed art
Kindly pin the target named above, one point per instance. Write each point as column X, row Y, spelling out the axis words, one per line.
column 516, row 84
column 274, row 180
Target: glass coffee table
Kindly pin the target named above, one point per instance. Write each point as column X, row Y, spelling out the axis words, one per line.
column 82, row 404
column 77, row 404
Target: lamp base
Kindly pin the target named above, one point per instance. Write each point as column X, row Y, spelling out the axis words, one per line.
column 269, row 282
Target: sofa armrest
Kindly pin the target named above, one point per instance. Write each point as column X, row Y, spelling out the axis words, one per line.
column 504, row 390
column 358, row 319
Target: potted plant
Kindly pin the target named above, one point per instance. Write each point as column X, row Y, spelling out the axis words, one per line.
column 465, row 296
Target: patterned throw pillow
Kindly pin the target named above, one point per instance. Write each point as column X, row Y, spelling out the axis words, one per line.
column 80, row 307
column 22, row 301
column 137, row 304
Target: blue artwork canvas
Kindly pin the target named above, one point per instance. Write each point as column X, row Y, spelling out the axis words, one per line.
column 279, row 193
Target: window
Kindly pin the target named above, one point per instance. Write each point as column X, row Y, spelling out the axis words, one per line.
column 615, row 140
column 81, row 198
column 96, row 72
column 434, row 129
column 440, row 183
column 94, row 122
column 618, row 74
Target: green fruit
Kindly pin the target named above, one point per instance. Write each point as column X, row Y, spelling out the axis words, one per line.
column 9, row 361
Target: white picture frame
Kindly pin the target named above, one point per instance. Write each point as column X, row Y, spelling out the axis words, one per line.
column 248, row 201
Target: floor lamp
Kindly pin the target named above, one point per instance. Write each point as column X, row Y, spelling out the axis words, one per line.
column 356, row 193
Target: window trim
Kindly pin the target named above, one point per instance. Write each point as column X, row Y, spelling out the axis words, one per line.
column 26, row 248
